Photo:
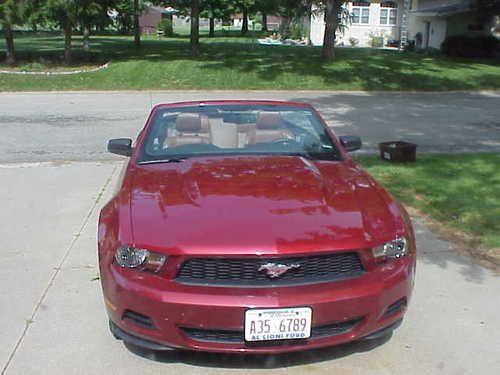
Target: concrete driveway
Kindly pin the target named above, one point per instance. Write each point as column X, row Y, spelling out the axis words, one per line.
column 74, row 126
column 54, row 322
column 55, row 176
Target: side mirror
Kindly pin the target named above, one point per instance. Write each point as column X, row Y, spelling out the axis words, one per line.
column 120, row 146
column 350, row 142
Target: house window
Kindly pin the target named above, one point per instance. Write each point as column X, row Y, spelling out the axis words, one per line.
column 360, row 12
column 388, row 13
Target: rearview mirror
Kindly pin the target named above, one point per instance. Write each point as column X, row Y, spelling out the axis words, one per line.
column 120, row 146
column 350, row 142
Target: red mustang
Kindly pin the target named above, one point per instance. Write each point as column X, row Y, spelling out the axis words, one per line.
column 244, row 226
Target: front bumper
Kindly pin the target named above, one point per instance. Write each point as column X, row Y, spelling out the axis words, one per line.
column 362, row 307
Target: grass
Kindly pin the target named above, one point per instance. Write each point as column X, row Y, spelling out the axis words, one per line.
column 231, row 62
column 461, row 191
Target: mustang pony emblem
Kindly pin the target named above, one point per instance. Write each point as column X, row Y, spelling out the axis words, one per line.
column 274, row 270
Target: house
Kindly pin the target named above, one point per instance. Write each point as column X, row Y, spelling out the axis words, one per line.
column 184, row 22
column 423, row 23
column 431, row 21
column 369, row 19
column 237, row 21
column 273, row 22
column 151, row 17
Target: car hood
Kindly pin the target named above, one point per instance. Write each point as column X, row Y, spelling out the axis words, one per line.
column 255, row 204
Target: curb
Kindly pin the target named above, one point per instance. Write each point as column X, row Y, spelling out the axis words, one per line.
column 69, row 72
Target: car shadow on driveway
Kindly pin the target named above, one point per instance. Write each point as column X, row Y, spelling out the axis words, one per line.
column 267, row 361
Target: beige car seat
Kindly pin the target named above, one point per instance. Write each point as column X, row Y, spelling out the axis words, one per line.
column 269, row 127
column 188, row 129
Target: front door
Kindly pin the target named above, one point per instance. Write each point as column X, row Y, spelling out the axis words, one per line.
column 427, row 33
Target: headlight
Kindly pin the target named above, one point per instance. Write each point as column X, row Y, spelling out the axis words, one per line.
column 392, row 249
column 140, row 259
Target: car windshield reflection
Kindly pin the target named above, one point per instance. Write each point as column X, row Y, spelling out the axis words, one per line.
column 221, row 130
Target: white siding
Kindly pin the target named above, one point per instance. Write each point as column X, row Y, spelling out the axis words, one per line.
column 361, row 32
column 317, row 29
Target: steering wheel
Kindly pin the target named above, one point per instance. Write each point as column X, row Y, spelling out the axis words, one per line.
column 285, row 141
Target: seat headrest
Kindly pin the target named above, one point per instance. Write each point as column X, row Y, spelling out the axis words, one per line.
column 268, row 120
column 188, row 123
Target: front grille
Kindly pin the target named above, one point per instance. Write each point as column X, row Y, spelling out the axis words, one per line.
column 244, row 272
column 138, row 319
column 237, row 337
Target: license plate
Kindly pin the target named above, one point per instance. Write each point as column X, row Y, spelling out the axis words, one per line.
column 278, row 324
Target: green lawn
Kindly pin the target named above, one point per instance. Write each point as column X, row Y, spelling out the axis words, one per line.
column 461, row 191
column 230, row 62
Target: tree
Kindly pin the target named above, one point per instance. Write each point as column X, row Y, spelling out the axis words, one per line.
column 64, row 13
column 88, row 14
column 266, row 7
column 12, row 12
column 128, row 15
column 137, row 29
column 193, row 8
column 215, row 9
column 291, row 11
column 336, row 17
column 243, row 6
column 70, row 13
column 486, row 10
column 195, row 27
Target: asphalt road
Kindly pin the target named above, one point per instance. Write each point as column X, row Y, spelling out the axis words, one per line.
column 54, row 321
column 75, row 126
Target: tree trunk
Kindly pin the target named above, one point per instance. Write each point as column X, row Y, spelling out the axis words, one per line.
column 285, row 27
column 308, row 22
column 137, row 29
column 86, row 38
column 328, row 52
column 264, row 22
column 9, row 44
column 67, row 43
column 211, row 32
column 244, row 24
column 195, row 32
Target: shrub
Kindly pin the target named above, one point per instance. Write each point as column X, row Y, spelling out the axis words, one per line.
column 296, row 31
column 353, row 41
column 470, row 46
column 376, row 40
column 166, row 26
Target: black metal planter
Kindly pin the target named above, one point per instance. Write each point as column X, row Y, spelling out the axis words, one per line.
column 398, row 151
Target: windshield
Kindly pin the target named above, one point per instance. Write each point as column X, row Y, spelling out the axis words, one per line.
column 236, row 129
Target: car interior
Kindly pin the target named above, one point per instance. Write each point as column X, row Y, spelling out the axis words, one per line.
column 201, row 129
column 188, row 133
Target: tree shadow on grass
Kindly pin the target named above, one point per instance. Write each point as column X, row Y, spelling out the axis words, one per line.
column 278, row 66
column 457, row 190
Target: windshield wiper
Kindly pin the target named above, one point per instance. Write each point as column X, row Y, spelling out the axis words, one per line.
column 169, row 160
column 314, row 155
column 302, row 154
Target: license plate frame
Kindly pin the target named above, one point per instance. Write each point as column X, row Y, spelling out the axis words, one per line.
column 275, row 317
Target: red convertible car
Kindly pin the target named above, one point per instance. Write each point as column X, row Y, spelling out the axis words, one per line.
column 244, row 226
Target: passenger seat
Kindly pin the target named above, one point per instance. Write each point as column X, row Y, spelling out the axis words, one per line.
column 188, row 130
column 270, row 128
